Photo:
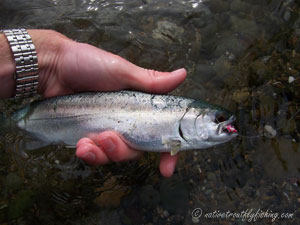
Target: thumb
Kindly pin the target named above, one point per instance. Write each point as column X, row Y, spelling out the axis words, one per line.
column 89, row 68
column 154, row 81
column 131, row 76
column 127, row 75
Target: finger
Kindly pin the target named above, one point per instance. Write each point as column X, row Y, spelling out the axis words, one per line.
column 115, row 148
column 88, row 151
column 167, row 164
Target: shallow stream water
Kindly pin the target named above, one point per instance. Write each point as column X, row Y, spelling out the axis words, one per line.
column 241, row 55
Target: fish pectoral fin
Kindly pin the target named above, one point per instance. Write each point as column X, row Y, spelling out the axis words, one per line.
column 174, row 151
column 171, row 143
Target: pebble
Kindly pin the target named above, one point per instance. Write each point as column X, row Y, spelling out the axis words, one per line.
column 270, row 130
column 211, row 176
column 291, row 79
column 166, row 213
column 287, row 15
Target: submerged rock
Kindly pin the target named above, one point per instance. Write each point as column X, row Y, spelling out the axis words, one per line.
column 245, row 27
column 240, row 6
column 168, row 32
column 223, row 67
column 149, row 197
column 174, row 195
column 13, row 182
column 111, row 194
column 23, row 202
column 239, row 96
column 204, row 73
column 218, row 6
column 230, row 45
column 111, row 198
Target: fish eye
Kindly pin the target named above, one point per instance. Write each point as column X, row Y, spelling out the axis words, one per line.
column 220, row 117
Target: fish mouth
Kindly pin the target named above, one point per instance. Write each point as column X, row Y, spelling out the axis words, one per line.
column 226, row 126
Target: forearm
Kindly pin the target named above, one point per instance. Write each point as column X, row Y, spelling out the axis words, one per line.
column 47, row 44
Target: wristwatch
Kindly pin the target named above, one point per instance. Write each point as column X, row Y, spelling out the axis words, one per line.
column 24, row 53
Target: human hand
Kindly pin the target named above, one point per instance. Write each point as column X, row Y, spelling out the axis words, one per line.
column 77, row 67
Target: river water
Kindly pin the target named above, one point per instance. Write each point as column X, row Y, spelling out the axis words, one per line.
column 242, row 55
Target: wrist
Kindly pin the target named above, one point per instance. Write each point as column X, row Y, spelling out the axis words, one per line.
column 47, row 44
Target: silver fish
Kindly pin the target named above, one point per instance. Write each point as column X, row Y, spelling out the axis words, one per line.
column 159, row 123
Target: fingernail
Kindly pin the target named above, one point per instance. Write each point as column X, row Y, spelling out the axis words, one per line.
column 89, row 156
column 107, row 144
column 177, row 72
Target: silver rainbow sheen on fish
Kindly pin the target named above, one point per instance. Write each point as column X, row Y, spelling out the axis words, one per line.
column 159, row 123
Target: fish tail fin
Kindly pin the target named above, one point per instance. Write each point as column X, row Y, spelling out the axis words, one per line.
column 7, row 137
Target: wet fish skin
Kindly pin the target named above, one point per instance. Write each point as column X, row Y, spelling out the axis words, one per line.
column 146, row 122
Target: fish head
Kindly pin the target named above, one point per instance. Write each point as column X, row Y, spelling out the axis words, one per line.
column 216, row 127
column 206, row 127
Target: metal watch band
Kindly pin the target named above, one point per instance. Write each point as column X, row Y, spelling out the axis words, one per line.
column 26, row 74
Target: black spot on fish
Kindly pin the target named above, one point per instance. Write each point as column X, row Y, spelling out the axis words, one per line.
column 54, row 108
